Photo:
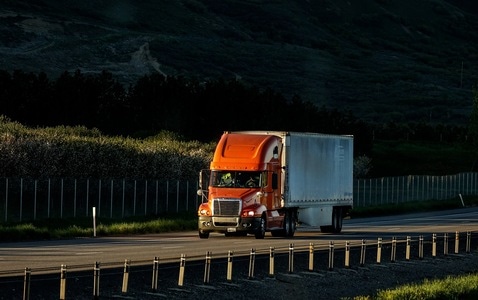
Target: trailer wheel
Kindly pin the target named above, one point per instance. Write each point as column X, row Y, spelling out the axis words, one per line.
column 261, row 230
column 289, row 223
column 337, row 219
column 203, row 234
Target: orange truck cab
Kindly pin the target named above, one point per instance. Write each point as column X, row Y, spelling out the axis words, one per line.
column 262, row 182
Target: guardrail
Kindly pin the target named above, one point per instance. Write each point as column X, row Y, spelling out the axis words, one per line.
column 311, row 258
column 23, row 199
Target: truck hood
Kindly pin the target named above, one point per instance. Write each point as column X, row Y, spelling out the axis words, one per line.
column 249, row 196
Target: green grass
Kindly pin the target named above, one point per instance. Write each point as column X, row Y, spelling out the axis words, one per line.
column 73, row 228
column 456, row 287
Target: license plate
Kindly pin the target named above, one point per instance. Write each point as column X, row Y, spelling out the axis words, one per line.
column 231, row 230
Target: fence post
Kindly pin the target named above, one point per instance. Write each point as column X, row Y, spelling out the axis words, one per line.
column 61, row 198
column 420, row 247
column 311, row 257
column 252, row 259
column 468, row 242
column 123, row 198
column 49, row 197
column 457, row 242
column 177, row 196
column 154, row 281
column 21, row 198
column 331, row 255
column 182, row 266
column 111, row 198
column 229, row 266
column 207, row 268
column 124, row 288
column 291, row 258
column 362, row 253
column 6, row 200
column 271, row 261
column 445, row 244
column 63, row 282
column 347, row 254
column 35, row 201
column 379, row 250
column 74, row 198
column 87, row 195
column 96, row 281
column 99, row 197
column 394, row 249
column 146, row 197
column 26, row 284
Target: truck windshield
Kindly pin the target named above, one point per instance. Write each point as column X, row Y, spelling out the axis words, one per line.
column 236, row 179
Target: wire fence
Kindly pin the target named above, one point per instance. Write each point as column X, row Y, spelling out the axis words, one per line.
column 387, row 190
column 31, row 199
column 23, row 199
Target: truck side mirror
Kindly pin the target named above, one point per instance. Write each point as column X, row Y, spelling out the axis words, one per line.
column 275, row 180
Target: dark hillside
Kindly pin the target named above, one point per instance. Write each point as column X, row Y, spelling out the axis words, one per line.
column 385, row 60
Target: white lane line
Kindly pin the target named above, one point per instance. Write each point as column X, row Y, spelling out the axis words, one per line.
column 88, row 253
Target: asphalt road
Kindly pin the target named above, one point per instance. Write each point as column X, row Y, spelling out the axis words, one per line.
column 77, row 254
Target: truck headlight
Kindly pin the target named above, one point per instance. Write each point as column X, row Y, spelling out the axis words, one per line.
column 204, row 212
column 249, row 213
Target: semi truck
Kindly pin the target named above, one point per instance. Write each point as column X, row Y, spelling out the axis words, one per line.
column 273, row 181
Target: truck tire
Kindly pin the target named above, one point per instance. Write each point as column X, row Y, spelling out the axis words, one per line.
column 203, row 234
column 337, row 218
column 289, row 223
column 261, row 230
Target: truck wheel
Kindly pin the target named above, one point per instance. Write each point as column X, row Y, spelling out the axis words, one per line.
column 203, row 234
column 289, row 223
column 261, row 230
column 337, row 219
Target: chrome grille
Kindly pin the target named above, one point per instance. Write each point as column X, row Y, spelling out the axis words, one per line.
column 226, row 207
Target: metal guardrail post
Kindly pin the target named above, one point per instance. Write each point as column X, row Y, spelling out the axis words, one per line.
column 207, row 268
column 154, row 280
column 420, row 247
column 96, row 281
column 252, row 260
column 182, row 266
column 26, row 284
column 291, row 258
column 271, row 261
column 124, row 288
column 407, row 254
column 63, row 282
column 379, row 250
column 394, row 249
column 457, row 242
column 468, row 242
column 331, row 255
column 347, row 254
column 311, row 257
column 445, row 244
column 229, row 266
column 362, row 253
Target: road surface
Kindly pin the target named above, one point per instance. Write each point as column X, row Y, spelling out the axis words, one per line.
column 82, row 253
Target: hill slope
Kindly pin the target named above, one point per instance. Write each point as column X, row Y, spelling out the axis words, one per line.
column 384, row 60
